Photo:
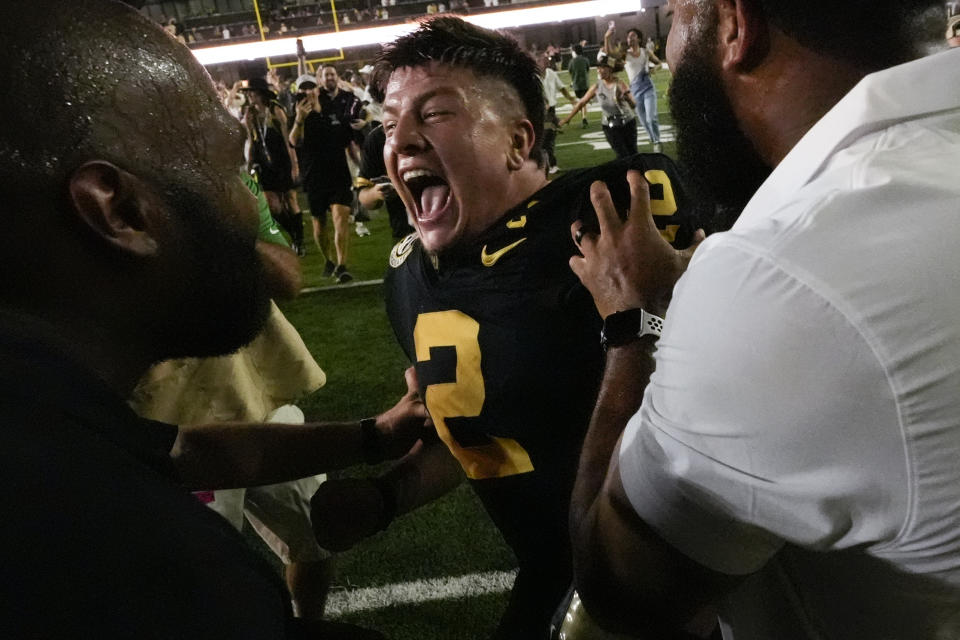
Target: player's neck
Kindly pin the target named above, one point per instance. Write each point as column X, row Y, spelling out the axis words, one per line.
column 529, row 179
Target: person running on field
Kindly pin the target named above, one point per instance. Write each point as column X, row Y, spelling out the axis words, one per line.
column 637, row 62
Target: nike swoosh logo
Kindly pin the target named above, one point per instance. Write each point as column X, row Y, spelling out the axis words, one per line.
column 490, row 259
column 274, row 232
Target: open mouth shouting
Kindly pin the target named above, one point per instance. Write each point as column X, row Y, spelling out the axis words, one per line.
column 431, row 194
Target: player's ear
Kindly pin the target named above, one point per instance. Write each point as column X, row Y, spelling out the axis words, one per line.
column 113, row 205
column 743, row 33
column 521, row 143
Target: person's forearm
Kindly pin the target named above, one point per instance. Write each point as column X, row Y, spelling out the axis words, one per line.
column 290, row 152
column 370, row 198
column 572, row 113
column 301, row 61
column 282, row 268
column 231, row 455
column 625, row 378
column 606, row 550
column 428, row 472
column 348, row 510
column 296, row 133
column 628, row 577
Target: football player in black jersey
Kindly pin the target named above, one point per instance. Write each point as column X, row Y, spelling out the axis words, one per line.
column 504, row 338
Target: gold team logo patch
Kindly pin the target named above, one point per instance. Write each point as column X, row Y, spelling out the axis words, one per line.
column 401, row 250
column 490, row 259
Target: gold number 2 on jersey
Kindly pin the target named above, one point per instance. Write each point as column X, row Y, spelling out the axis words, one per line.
column 666, row 206
column 464, row 397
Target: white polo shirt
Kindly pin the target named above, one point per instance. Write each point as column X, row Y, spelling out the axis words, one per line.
column 804, row 416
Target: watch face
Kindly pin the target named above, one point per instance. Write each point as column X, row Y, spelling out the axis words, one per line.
column 622, row 326
column 625, row 326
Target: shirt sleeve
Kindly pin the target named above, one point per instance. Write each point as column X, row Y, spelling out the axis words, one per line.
column 371, row 160
column 754, row 430
column 268, row 230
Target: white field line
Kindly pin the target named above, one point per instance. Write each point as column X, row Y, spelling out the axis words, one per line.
column 349, row 285
column 342, row 602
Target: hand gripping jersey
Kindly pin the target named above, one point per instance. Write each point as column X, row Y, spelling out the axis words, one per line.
column 506, row 345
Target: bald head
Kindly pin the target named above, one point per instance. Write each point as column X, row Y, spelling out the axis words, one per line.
column 105, row 83
column 131, row 168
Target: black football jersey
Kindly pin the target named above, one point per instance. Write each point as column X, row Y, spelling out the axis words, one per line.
column 506, row 345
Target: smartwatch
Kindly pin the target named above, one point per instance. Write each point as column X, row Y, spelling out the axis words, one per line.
column 370, row 441
column 626, row 326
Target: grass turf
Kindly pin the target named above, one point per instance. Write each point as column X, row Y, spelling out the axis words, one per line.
column 347, row 331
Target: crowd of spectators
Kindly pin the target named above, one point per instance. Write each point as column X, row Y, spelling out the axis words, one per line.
column 278, row 22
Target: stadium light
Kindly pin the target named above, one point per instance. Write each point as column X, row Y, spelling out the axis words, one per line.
column 387, row 33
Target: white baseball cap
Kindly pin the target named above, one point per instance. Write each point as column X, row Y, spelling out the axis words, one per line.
column 953, row 27
column 306, row 78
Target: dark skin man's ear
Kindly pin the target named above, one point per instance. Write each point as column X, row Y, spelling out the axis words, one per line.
column 111, row 203
column 744, row 36
column 522, row 142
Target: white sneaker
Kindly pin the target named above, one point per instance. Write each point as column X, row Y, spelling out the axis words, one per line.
column 553, row 169
column 657, row 147
column 362, row 229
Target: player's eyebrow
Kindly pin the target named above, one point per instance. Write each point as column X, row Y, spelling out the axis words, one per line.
column 438, row 91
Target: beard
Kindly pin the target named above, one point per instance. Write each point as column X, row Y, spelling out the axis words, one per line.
column 720, row 163
column 219, row 299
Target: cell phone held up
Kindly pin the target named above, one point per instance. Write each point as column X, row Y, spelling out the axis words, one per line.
column 386, row 187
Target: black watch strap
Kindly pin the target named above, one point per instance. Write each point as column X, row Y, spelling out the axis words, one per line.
column 370, row 441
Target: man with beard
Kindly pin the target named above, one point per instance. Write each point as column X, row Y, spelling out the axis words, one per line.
column 792, row 461
column 131, row 176
column 503, row 337
column 322, row 131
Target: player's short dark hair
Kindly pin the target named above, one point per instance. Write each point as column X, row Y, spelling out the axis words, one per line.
column 578, row 49
column 451, row 41
column 874, row 34
column 636, row 31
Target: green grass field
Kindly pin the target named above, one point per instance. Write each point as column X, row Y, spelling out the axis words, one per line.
column 346, row 329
